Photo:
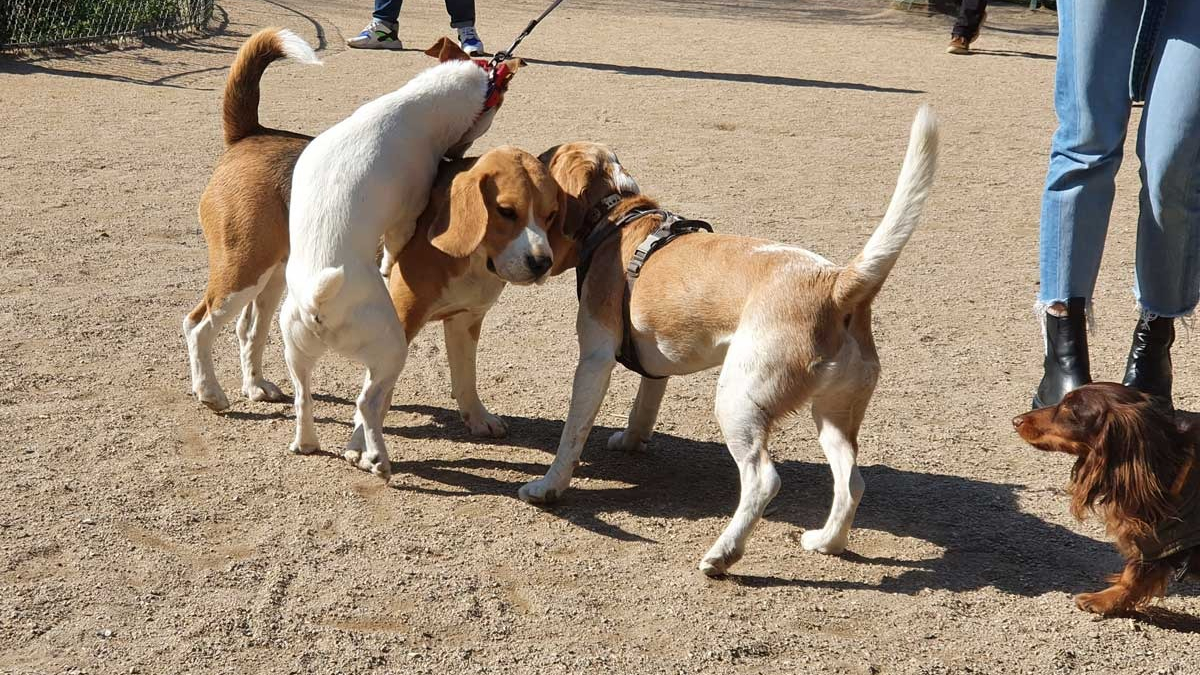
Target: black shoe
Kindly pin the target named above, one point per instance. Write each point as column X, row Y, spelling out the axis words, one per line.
column 1148, row 368
column 1066, row 366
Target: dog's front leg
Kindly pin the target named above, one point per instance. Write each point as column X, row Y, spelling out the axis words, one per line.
column 394, row 239
column 598, row 355
column 462, row 345
column 1130, row 589
column 641, row 417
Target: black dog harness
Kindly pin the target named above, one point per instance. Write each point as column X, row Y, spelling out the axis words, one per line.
column 1175, row 538
column 670, row 228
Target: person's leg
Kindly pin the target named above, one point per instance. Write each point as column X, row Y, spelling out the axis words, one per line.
column 1091, row 100
column 381, row 32
column 970, row 17
column 1168, row 245
column 462, row 17
column 462, row 13
column 387, row 10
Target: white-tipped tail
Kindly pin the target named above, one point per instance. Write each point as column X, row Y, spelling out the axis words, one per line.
column 240, row 107
column 294, row 47
column 863, row 277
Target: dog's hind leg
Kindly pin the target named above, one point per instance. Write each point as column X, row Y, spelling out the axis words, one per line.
column 746, row 426
column 200, row 329
column 838, row 420
column 301, row 349
column 384, row 352
column 642, row 416
column 252, row 329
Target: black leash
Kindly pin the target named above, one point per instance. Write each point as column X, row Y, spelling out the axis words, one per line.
column 505, row 55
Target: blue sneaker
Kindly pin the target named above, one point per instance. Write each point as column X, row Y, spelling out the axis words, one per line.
column 469, row 40
column 378, row 34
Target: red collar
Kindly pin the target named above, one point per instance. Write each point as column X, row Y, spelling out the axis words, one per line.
column 498, row 78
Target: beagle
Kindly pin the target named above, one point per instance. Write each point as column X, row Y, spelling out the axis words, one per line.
column 368, row 178
column 243, row 213
column 490, row 220
column 786, row 326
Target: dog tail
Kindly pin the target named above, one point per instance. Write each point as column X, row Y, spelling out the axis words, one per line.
column 240, row 108
column 325, row 285
column 864, row 276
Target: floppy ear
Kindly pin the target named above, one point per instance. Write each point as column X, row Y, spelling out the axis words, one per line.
column 460, row 232
column 445, row 50
column 571, row 215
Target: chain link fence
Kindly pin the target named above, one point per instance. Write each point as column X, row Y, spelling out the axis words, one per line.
column 28, row 24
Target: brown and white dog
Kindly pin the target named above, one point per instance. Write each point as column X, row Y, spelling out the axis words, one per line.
column 786, row 325
column 243, row 213
column 487, row 208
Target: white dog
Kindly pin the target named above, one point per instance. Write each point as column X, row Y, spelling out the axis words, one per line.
column 366, row 178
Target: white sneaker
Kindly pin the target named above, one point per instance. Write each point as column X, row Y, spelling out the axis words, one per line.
column 469, row 40
column 378, row 34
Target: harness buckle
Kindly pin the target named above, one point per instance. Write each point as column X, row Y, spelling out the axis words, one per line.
column 639, row 259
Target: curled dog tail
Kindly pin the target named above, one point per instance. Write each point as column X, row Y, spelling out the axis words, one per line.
column 240, row 109
column 324, row 286
column 864, row 276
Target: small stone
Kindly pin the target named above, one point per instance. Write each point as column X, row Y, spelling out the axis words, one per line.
column 88, row 521
column 106, row 633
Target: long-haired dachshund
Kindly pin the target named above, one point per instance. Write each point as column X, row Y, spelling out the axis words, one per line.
column 1136, row 466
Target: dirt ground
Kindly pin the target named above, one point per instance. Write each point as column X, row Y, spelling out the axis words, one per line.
column 141, row 533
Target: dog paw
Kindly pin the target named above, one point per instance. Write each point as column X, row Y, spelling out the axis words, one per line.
column 817, row 540
column 485, row 424
column 625, row 442
column 716, row 563
column 359, row 459
column 263, row 390
column 1101, row 603
column 540, row 491
column 299, row 448
column 213, row 397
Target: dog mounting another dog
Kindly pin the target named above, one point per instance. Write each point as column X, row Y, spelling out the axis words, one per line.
column 1136, row 465
column 786, row 325
column 368, row 178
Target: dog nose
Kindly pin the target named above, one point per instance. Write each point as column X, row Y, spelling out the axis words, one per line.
column 538, row 264
column 1018, row 421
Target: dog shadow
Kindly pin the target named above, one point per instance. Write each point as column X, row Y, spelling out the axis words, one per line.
column 1168, row 619
column 986, row 540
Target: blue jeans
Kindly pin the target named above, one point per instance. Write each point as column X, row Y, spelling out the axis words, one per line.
column 1096, row 54
column 462, row 12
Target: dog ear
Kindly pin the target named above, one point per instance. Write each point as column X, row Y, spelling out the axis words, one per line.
column 445, row 50
column 460, row 232
column 1130, row 468
column 571, row 214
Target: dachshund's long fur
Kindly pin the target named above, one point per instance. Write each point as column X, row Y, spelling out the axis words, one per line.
column 1133, row 465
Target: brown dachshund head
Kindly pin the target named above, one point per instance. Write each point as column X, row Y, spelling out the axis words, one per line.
column 1128, row 452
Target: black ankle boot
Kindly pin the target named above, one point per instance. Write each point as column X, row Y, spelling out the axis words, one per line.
column 1148, row 368
column 1066, row 366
